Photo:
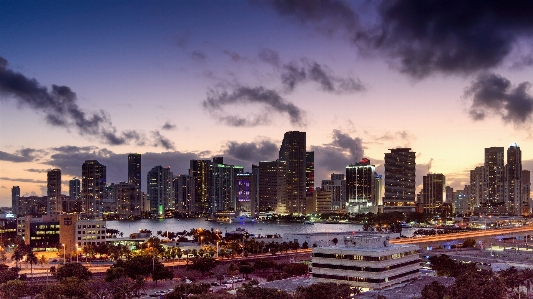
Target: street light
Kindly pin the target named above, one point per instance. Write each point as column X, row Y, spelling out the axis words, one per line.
column 64, row 256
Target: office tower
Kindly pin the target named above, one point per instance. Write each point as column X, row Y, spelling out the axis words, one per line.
column 246, row 192
column 494, row 178
column 134, row 170
column 378, row 192
column 513, row 181
column 15, row 197
column 309, row 173
column 182, row 193
column 433, row 192
column 526, row 192
column 399, row 180
column 74, row 189
column 222, row 188
column 159, row 190
column 337, row 186
column 126, row 198
column 72, row 204
column 477, row 186
column 448, row 191
column 323, row 201
column 461, row 202
column 292, row 151
column 360, row 186
column 93, row 188
column 199, row 173
column 273, row 186
column 53, row 191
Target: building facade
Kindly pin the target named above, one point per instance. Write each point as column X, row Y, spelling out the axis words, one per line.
column 182, row 193
column 513, row 181
column 400, row 174
column 360, row 186
column 93, row 188
column 272, row 186
column 494, row 180
column 200, row 182
column 292, row 151
column 337, row 186
column 159, row 190
column 15, row 198
column 53, row 192
column 433, row 192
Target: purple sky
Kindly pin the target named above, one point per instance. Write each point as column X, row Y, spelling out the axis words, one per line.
column 178, row 80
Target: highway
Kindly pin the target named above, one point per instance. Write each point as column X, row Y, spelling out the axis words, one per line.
column 471, row 234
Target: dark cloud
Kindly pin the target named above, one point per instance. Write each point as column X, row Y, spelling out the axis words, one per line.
column 421, row 37
column 236, row 57
column 294, row 73
column 23, row 155
column 23, row 180
column 353, row 145
column 494, row 94
column 269, row 99
column 37, row 170
column 160, row 140
column 421, row 170
column 199, row 56
column 60, row 108
column 270, row 56
column 251, row 152
column 168, row 126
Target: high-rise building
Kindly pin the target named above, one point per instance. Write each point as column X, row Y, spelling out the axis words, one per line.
column 292, row 151
column 74, row 189
column 134, row 170
column 246, row 192
column 15, row 197
column 53, row 191
column 222, row 188
column 127, row 200
column 182, row 193
column 494, row 179
column 72, row 203
column 477, row 187
column 513, row 181
column 93, row 188
column 433, row 192
column 526, row 192
column 309, row 173
column 337, row 186
column 360, row 186
column 400, row 173
column 200, row 182
column 273, row 186
column 159, row 190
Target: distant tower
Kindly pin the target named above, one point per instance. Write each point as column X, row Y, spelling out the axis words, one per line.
column 182, row 192
column 222, row 187
column 200, row 181
column 477, row 187
column 526, row 192
column 272, row 186
column 494, row 180
column 159, row 190
column 337, row 186
column 400, row 173
column 74, row 189
column 513, row 181
column 433, row 192
column 134, row 170
column 53, row 192
column 15, row 198
column 360, row 186
column 292, row 151
column 93, row 188
column 309, row 173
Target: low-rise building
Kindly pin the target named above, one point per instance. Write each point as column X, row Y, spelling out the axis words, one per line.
column 366, row 261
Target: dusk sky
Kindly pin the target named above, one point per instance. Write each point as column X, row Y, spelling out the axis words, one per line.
column 181, row 80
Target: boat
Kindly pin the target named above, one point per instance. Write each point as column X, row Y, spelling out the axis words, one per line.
column 243, row 219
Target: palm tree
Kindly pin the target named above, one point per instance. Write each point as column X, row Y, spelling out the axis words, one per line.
column 18, row 255
column 32, row 259
column 43, row 260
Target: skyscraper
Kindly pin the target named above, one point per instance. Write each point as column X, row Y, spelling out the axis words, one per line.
column 127, row 200
column 477, row 187
column 360, row 186
column 182, row 192
column 134, row 170
column 53, row 191
column 200, row 181
column 93, row 188
column 513, row 181
column 15, row 197
column 246, row 192
column 222, row 187
column 433, row 192
column 400, row 173
column 309, row 173
column 337, row 186
column 526, row 192
column 292, row 151
column 273, row 186
column 73, row 204
column 494, row 180
column 159, row 190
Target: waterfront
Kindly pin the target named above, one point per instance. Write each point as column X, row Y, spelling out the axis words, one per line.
column 257, row 229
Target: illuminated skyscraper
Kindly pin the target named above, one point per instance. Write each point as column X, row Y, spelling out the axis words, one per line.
column 494, row 180
column 15, row 197
column 200, row 182
column 246, row 192
column 223, row 186
column 360, row 186
column 93, row 188
column 337, row 186
column 433, row 192
column 400, row 176
column 513, row 181
column 477, row 187
column 159, row 190
column 309, row 173
column 182, row 193
column 134, row 170
column 53, row 192
column 526, row 192
column 292, row 151
column 273, row 186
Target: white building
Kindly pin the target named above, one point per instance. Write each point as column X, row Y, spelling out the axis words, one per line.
column 366, row 261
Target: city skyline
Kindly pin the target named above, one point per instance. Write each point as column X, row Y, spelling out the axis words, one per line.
column 194, row 80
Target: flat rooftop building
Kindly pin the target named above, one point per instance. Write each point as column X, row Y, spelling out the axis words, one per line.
column 366, row 261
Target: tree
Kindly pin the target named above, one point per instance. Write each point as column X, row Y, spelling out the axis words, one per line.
column 162, row 273
column 74, row 288
column 203, row 264
column 73, row 270
column 296, row 269
column 7, row 274
column 245, row 269
column 183, row 290
column 434, row 290
column 32, row 259
column 469, row 243
column 43, row 260
column 328, row 290
column 13, row 289
column 114, row 273
column 263, row 293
